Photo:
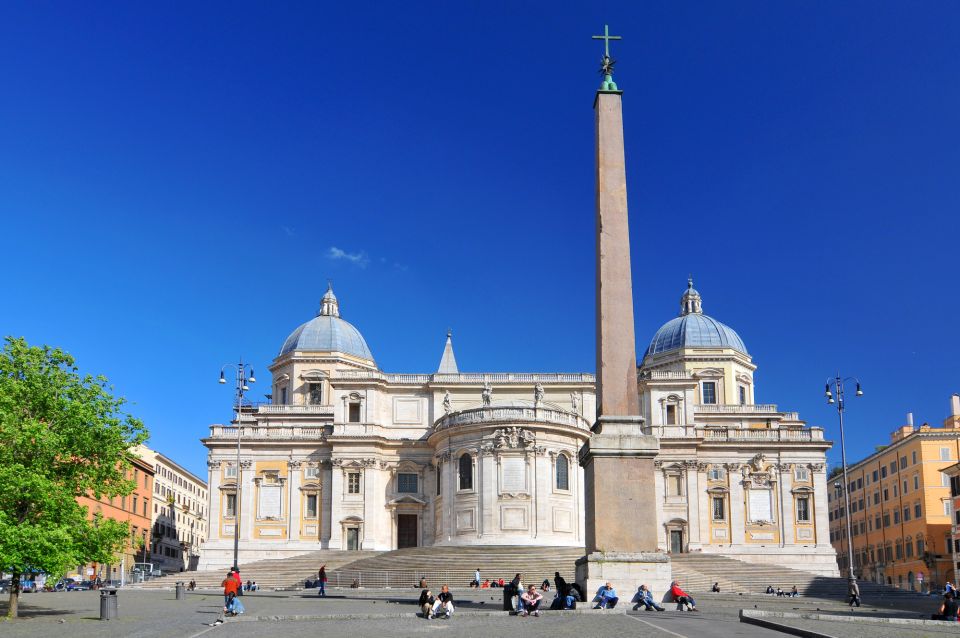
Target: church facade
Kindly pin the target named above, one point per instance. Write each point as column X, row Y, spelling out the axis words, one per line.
column 346, row 456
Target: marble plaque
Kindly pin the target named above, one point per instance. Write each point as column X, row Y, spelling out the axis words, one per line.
column 465, row 521
column 406, row 410
column 761, row 508
column 719, row 533
column 270, row 497
column 761, row 536
column 228, row 529
column 514, row 474
column 804, row 534
column 513, row 518
column 562, row 520
column 271, row 531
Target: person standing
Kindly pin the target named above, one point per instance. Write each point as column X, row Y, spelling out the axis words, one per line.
column 236, row 577
column 229, row 585
column 853, row 591
column 476, row 577
column 322, row 580
column 560, row 584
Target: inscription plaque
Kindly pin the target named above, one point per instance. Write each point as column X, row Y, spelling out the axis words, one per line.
column 270, row 496
column 760, row 505
column 514, row 475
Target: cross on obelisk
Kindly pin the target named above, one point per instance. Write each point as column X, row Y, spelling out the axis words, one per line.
column 620, row 506
column 606, row 65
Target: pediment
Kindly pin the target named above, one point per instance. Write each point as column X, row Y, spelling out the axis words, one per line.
column 406, row 499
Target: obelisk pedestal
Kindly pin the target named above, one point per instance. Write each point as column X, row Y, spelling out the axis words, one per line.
column 619, row 496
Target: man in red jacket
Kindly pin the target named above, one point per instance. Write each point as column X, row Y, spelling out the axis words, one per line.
column 682, row 598
column 236, row 576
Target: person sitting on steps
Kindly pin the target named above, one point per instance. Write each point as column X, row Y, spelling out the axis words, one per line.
column 682, row 598
column 444, row 601
column 426, row 603
column 531, row 601
column 644, row 598
column 606, row 597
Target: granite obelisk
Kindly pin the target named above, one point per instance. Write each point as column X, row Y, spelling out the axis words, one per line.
column 619, row 495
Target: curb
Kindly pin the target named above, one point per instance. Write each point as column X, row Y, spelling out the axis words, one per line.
column 411, row 614
column 921, row 622
column 753, row 617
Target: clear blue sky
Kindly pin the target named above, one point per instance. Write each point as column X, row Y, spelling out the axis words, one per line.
column 174, row 175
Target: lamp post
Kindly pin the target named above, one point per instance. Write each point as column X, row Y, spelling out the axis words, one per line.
column 836, row 385
column 242, row 387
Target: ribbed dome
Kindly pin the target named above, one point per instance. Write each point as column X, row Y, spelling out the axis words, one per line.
column 693, row 329
column 327, row 332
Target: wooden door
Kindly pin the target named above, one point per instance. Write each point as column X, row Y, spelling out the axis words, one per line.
column 406, row 530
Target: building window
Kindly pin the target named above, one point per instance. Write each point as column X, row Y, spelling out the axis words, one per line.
column 903, row 462
column 944, row 480
column 715, row 474
column 465, row 473
column 946, row 508
column 283, row 396
column 886, row 494
column 899, row 551
column 230, row 472
column 919, row 547
column 675, row 485
column 144, row 507
column 311, row 505
column 230, row 508
column 407, row 483
column 312, row 472
column 908, row 547
column 876, row 497
column 671, row 414
column 883, row 472
column 896, row 517
column 944, row 454
column 914, row 457
column 134, row 508
column 437, row 475
column 904, row 491
column 315, row 393
column 563, row 473
column 743, row 395
column 353, row 482
column 906, row 514
column 354, row 412
column 916, row 481
column 801, row 474
column 803, row 509
column 709, row 390
column 719, row 513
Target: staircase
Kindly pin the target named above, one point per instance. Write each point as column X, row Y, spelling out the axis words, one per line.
column 697, row 572
column 455, row 565
column 269, row 574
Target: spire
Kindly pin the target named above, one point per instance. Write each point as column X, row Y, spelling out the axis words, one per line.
column 329, row 306
column 448, row 363
column 690, row 302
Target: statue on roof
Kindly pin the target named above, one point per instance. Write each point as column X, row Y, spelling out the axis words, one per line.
column 486, row 395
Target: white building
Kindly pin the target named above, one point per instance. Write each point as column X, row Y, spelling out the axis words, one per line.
column 349, row 457
column 179, row 515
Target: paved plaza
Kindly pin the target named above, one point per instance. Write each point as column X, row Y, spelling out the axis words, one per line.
column 356, row 613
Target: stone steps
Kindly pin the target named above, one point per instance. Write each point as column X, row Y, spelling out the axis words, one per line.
column 698, row 572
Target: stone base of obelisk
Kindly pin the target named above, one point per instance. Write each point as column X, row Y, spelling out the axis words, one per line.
column 621, row 510
column 626, row 571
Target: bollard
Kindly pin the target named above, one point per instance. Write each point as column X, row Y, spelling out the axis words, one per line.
column 181, row 591
column 108, row 603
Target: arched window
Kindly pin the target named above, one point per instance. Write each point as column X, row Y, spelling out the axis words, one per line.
column 466, row 472
column 563, row 473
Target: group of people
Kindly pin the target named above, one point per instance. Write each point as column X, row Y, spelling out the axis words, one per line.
column 793, row 593
column 432, row 605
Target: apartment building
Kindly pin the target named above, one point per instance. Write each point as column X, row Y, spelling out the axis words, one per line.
column 901, row 510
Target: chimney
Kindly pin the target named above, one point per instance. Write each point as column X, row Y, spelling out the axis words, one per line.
column 910, row 419
column 953, row 421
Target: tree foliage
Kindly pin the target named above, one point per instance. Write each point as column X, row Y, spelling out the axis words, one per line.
column 62, row 435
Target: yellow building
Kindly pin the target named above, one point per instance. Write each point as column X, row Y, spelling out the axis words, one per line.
column 900, row 508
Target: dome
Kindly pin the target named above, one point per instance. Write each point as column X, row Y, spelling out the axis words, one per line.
column 693, row 329
column 327, row 332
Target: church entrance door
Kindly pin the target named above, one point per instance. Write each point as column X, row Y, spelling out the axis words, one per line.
column 406, row 530
column 676, row 541
column 353, row 538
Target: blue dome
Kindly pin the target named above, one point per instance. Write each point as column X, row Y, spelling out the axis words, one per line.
column 327, row 332
column 695, row 330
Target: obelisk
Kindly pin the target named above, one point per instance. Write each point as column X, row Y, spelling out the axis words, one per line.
column 619, row 496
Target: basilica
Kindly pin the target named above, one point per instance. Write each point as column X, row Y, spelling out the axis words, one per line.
column 347, row 456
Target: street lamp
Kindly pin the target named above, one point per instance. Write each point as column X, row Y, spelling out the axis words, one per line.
column 242, row 387
column 836, row 385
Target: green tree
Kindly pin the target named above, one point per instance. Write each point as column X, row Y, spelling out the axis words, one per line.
column 62, row 435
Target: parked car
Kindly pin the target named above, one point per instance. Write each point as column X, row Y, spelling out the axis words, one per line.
column 5, row 586
column 79, row 585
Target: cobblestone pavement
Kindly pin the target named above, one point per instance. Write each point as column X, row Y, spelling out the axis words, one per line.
column 153, row 613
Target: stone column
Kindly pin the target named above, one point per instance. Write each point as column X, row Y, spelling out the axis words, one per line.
column 336, row 505
column 620, row 515
column 738, row 514
column 248, row 509
column 694, row 493
column 786, row 505
column 213, row 498
column 295, row 506
column 821, row 521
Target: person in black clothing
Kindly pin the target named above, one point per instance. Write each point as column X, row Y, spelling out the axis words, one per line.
column 426, row 603
column 949, row 608
column 444, row 602
column 560, row 584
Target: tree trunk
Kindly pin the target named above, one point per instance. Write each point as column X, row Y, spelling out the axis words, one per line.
column 14, row 595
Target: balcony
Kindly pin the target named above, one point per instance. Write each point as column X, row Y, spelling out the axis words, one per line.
column 273, row 432
column 324, row 410
column 509, row 415
column 713, row 434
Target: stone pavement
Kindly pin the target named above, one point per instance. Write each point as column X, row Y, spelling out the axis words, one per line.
column 149, row 614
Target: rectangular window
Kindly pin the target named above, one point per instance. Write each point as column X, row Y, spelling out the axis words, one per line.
column 904, row 487
column 875, row 476
column 896, row 491
column 899, row 551
column 315, row 393
column 354, row 415
column 903, row 462
column 917, row 510
column 944, row 454
column 946, row 508
column 145, row 507
column 671, row 414
column 906, row 514
column 231, row 505
column 896, row 517
column 888, row 552
column 123, row 502
column 311, row 505
column 709, row 389
column 283, row 396
column 944, row 480
column 876, row 497
column 955, row 486
column 801, row 474
column 407, row 483
column 743, row 395
column 803, row 509
column 718, row 509
column 919, row 547
column 675, row 485
column 860, row 483
column 134, row 508
column 312, row 472
column 715, row 474
column 353, row 482
column 883, row 472
column 437, row 474
column 230, row 472
column 886, row 494
column 893, row 467
column 913, row 457
column 886, row 520
column 909, row 549
column 877, row 523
